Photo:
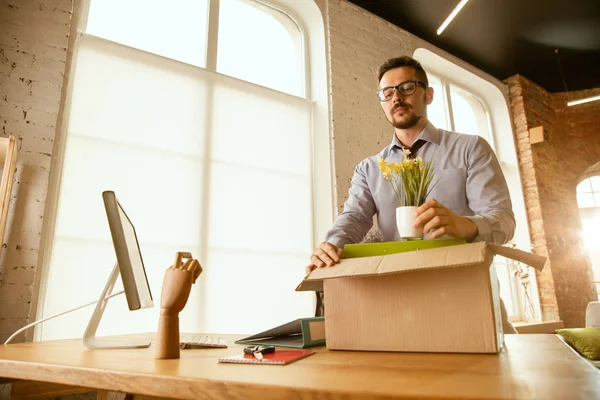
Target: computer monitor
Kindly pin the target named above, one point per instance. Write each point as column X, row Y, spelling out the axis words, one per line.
column 129, row 256
column 129, row 265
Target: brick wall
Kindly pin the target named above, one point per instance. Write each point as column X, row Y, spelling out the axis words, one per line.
column 551, row 171
column 359, row 42
column 33, row 47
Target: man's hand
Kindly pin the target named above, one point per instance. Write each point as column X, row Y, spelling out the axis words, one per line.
column 433, row 216
column 325, row 254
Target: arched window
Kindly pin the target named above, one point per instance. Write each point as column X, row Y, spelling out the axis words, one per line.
column 457, row 109
column 200, row 115
column 260, row 44
column 588, row 200
column 588, row 192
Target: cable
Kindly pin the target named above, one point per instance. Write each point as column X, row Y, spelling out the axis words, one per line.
column 58, row 315
column 561, row 73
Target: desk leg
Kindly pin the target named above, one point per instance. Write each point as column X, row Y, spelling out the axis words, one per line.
column 107, row 395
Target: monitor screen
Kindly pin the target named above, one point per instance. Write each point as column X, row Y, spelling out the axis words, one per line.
column 129, row 256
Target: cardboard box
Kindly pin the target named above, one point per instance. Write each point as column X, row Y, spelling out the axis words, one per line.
column 437, row 300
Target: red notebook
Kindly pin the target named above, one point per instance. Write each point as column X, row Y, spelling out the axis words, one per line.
column 278, row 357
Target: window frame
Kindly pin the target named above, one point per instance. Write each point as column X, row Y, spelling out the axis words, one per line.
column 307, row 18
column 446, row 93
column 595, row 194
column 584, row 213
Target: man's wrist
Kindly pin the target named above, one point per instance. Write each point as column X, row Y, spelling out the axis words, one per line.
column 336, row 241
column 472, row 230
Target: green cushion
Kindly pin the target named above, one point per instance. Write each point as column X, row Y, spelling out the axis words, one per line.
column 585, row 340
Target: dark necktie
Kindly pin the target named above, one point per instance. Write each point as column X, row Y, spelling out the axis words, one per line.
column 415, row 147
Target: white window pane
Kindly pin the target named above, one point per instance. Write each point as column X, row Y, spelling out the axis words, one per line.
column 259, row 210
column 245, row 299
column 138, row 125
column 147, row 197
column 585, row 200
column 584, row 186
column 436, row 111
column 175, row 28
column 249, row 120
column 259, row 45
column 468, row 112
column 161, row 104
column 595, row 181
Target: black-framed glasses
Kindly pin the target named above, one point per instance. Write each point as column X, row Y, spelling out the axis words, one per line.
column 405, row 89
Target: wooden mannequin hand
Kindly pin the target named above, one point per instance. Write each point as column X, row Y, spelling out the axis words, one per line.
column 177, row 284
column 176, row 288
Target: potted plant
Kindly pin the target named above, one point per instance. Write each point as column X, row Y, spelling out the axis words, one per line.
column 411, row 182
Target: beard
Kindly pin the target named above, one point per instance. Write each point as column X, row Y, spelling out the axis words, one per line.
column 413, row 119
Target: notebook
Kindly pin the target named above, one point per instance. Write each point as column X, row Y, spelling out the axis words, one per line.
column 279, row 357
column 300, row 333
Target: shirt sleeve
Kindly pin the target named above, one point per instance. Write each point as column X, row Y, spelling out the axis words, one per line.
column 488, row 195
column 354, row 222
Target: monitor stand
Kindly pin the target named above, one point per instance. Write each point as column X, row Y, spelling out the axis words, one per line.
column 89, row 337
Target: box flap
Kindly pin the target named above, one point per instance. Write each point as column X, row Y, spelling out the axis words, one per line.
column 533, row 260
column 443, row 257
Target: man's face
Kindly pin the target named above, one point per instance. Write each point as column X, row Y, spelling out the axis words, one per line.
column 405, row 111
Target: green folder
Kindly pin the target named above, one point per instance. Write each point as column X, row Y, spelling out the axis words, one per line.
column 385, row 248
column 300, row 333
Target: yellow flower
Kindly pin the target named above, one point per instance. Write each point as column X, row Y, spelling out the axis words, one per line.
column 387, row 173
column 410, row 178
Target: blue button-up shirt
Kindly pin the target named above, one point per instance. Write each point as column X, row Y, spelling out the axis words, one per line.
column 468, row 181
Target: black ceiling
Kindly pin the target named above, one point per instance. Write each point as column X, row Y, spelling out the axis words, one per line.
column 508, row 37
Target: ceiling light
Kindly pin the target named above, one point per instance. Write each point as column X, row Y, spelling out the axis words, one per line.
column 584, row 100
column 456, row 10
column 569, row 101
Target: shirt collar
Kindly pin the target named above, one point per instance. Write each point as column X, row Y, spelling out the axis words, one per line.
column 430, row 134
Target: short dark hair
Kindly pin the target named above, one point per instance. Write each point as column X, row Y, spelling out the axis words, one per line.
column 402, row 61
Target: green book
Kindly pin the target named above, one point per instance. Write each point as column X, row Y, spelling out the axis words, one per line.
column 300, row 333
column 385, row 248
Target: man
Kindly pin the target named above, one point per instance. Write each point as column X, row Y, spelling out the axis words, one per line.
column 470, row 198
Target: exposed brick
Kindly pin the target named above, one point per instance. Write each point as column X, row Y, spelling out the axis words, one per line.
column 553, row 168
column 13, row 309
column 17, row 57
column 39, row 116
column 31, row 74
column 33, row 40
column 15, row 293
column 19, row 274
column 11, row 111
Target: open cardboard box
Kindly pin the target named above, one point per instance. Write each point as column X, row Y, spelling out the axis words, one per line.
column 438, row 300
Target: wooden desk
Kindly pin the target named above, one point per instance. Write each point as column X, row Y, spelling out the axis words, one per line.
column 530, row 366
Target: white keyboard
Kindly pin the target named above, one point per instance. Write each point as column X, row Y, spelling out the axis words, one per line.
column 202, row 341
